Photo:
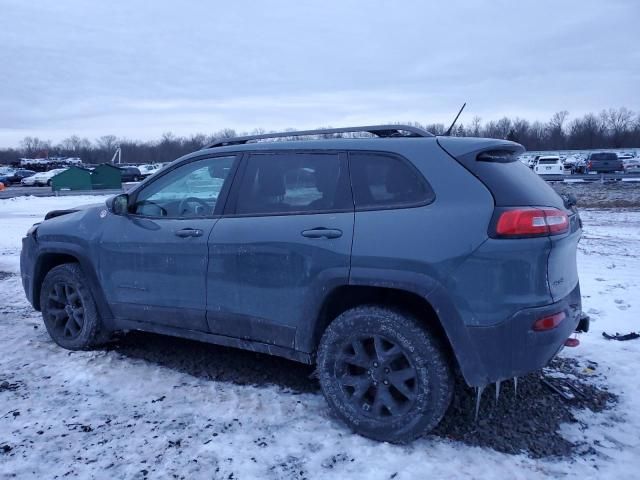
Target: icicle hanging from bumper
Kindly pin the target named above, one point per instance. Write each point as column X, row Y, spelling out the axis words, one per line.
column 479, row 391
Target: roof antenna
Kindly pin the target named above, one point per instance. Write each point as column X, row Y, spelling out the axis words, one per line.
column 455, row 120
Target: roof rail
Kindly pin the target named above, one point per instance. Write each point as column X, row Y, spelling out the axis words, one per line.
column 377, row 130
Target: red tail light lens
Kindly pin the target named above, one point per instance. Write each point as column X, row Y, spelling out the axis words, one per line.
column 549, row 323
column 557, row 220
column 531, row 222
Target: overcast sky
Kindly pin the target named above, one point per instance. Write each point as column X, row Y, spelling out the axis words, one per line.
column 137, row 69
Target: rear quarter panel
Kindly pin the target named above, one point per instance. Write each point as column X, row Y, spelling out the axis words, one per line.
column 428, row 241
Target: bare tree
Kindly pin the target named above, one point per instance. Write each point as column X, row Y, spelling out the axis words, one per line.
column 34, row 146
column 556, row 129
column 503, row 127
column 107, row 143
column 618, row 123
column 474, row 129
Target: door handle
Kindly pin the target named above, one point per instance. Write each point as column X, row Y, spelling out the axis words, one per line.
column 189, row 232
column 322, row 232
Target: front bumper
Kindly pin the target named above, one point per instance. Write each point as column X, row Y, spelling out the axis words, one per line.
column 27, row 265
column 512, row 348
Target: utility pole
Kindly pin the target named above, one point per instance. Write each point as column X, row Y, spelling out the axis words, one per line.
column 118, row 153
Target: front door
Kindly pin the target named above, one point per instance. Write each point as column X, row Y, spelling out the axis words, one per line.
column 153, row 261
column 285, row 243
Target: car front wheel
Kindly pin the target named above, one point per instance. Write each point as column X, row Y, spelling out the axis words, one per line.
column 68, row 308
column 384, row 374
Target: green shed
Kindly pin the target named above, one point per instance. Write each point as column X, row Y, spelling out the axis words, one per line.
column 106, row 176
column 74, row 178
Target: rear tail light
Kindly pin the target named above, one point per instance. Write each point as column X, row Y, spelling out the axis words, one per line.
column 528, row 222
column 549, row 323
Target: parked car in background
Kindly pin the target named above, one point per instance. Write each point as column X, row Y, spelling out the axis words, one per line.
column 549, row 165
column 131, row 174
column 149, row 169
column 41, row 179
column 604, row 162
column 572, row 162
column 16, row 176
column 398, row 265
column 631, row 165
column 626, row 156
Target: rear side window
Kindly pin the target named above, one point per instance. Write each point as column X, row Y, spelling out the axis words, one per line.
column 289, row 182
column 382, row 180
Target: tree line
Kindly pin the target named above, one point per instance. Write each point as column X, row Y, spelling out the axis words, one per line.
column 612, row 128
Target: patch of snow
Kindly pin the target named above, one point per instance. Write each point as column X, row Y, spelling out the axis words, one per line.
column 101, row 414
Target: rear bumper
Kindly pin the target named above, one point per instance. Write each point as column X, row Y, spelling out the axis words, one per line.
column 512, row 348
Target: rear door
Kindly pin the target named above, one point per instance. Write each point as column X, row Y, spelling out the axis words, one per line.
column 284, row 243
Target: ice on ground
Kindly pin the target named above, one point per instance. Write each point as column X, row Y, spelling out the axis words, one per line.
column 103, row 415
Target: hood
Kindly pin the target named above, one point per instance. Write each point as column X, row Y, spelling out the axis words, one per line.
column 59, row 213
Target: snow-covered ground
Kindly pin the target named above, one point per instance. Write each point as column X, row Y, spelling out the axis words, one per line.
column 106, row 415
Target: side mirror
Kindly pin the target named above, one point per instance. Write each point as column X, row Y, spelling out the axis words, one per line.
column 118, row 205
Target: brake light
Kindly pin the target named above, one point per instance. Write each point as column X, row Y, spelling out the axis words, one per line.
column 549, row 323
column 531, row 222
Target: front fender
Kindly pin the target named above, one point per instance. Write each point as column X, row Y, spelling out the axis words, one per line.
column 48, row 253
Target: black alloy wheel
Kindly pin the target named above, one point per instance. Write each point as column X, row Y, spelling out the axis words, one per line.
column 376, row 376
column 65, row 310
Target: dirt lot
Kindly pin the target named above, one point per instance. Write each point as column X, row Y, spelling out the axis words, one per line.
column 602, row 195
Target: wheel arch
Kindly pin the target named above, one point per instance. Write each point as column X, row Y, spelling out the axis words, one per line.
column 53, row 257
column 434, row 309
column 346, row 297
column 44, row 264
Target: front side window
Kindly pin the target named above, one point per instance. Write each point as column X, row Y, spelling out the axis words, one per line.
column 189, row 191
column 281, row 183
column 384, row 181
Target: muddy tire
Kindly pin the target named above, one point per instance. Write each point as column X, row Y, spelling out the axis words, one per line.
column 384, row 374
column 69, row 310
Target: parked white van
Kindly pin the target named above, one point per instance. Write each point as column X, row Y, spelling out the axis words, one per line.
column 549, row 165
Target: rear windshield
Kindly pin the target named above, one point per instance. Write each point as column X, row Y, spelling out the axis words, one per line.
column 551, row 161
column 511, row 183
column 604, row 156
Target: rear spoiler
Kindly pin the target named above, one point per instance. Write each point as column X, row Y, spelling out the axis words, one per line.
column 480, row 149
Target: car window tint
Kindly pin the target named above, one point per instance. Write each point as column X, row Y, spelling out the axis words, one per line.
column 384, row 181
column 190, row 190
column 294, row 182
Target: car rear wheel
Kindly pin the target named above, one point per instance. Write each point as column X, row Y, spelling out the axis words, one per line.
column 384, row 374
column 68, row 308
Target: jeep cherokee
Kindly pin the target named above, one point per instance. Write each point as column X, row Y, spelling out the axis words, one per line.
column 394, row 263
